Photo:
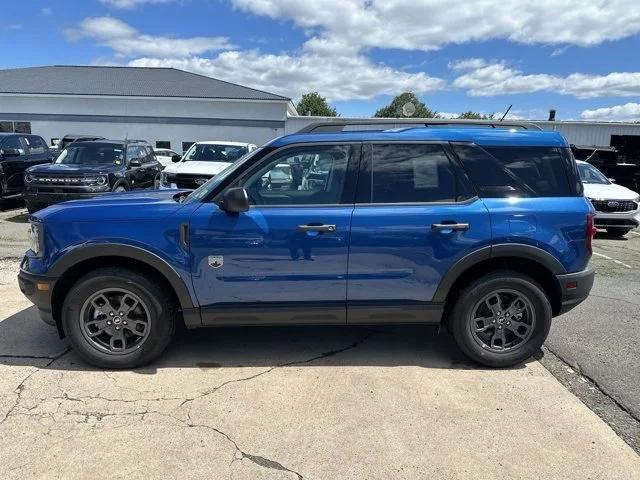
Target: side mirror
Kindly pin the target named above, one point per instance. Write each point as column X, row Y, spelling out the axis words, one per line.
column 175, row 158
column 235, row 200
column 10, row 152
column 135, row 162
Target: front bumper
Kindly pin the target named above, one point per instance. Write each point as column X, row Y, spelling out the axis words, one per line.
column 48, row 198
column 38, row 289
column 574, row 288
column 619, row 220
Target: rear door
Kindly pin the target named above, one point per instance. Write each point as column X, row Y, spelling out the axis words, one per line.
column 415, row 217
column 285, row 260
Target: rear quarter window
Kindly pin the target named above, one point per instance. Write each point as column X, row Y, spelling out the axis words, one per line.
column 519, row 171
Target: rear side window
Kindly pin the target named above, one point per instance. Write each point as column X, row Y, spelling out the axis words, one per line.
column 412, row 173
column 517, row 171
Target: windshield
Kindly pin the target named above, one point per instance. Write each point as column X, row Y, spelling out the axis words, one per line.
column 203, row 152
column 205, row 189
column 590, row 174
column 91, row 154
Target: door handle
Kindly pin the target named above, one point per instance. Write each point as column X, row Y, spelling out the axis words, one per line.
column 316, row 228
column 460, row 227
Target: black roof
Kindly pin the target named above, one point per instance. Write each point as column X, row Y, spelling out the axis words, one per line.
column 123, row 81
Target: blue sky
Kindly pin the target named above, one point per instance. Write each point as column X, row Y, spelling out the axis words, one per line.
column 579, row 57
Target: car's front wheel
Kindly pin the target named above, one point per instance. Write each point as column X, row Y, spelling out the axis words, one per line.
column 501, row 319
column 118, row 318
column 618, row 232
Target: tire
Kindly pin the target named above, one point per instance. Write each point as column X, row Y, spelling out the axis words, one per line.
column 618, row 232
column 134, row 350
column 481, row 346
column 156, row 183
column 119, row 188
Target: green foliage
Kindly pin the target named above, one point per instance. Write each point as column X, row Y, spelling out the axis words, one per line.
column 469, row 115
column 315, row 105
column 394, row 109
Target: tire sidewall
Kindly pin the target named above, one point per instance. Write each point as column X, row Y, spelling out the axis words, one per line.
column 161, row 325
column 475, row 292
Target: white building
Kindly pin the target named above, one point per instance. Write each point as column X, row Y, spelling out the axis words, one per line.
column 167, row 107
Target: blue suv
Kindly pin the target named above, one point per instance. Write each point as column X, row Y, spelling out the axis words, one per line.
column 479, row 227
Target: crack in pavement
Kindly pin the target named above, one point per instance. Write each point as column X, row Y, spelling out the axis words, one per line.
column 576, row 366
column 20, row 388
column 330, row 353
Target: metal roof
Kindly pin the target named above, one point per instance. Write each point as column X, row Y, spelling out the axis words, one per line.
column 480, row 136
column 123, row 81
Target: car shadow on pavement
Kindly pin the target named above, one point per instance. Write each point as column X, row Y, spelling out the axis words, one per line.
column 607, row 236
column 26, row 341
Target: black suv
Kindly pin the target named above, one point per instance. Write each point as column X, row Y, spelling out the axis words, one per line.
column 19, row 151
column 88, row 168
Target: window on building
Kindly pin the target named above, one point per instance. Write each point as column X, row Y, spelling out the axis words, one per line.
column 22, row 127
column 163, row 144
column 6, row 127
column 185, row 146
column 412, row 173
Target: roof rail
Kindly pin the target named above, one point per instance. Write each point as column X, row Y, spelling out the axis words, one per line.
column 334, row 126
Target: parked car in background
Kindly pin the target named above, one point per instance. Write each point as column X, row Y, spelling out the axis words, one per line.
column 201, row 162
column 88, row 168
column 611, row 164
column 485, row 231
column 166, row 156
column 18, row 152
column 617, row 207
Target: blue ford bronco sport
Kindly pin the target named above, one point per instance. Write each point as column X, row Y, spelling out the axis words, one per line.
column 480, row 227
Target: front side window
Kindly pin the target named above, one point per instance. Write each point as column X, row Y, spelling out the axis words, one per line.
column 14, row 143
column 412, row 173
column 312, row 175
column 205, row 152
column 89, row 153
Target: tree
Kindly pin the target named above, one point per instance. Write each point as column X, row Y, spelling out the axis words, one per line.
column 469, row 115
column 395, row 108
column 315, row 104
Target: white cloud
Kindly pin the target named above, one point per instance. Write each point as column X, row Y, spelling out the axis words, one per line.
column 626, row 112
column 129, row 4
column 14, row 26
column 336, row 77
column 127, row 41
column 481, row 78
column 430, row 24
column 46, row 11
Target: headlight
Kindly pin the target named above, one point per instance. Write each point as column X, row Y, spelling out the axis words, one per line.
column 28, row 178
column 97, row 180
column 36, row 239
column 101, row 180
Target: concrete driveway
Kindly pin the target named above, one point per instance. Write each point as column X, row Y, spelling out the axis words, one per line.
column 280, row 403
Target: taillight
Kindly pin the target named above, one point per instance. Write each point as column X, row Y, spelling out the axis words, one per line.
column 591, row 231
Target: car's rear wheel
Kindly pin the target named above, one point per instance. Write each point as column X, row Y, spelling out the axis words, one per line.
column 117, row 318
column 618, row 232
column 501, row 319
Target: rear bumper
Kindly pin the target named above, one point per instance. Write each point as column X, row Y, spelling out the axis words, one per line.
column 574, row 288
column 38, row 289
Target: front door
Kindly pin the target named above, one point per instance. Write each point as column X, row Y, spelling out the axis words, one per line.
column 414, row 219
column 285, row 260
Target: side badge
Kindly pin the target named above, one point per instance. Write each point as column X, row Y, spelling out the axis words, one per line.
column 216, row 261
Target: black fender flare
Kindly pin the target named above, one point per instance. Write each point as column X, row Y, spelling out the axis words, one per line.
column 124, row 183
column 96, row 250
column 521, row 250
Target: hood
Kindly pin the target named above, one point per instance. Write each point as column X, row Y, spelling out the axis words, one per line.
column 197, row 168
column 608, row 192
column 59, row 168
column 142, row 205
